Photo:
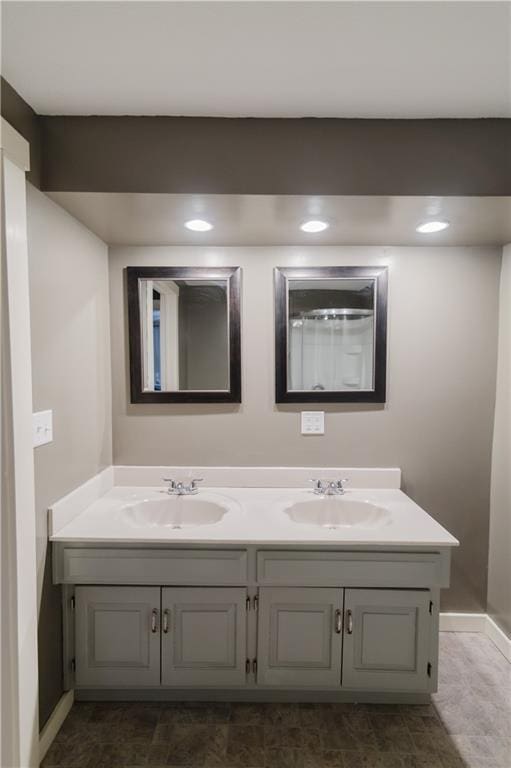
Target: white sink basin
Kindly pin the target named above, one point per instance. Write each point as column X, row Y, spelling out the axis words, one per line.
column 337, row 512
column 173, row 512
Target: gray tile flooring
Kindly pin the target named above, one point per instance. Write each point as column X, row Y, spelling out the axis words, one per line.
column 468, row 725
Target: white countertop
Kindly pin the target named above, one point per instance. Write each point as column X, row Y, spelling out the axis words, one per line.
column 255, row 516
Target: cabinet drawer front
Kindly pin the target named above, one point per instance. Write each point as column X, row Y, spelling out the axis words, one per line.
column 351, row 569
column 131, row 566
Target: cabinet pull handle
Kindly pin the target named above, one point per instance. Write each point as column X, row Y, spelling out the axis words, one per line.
column 338, row 622
column 166, row 620
column 154, row 620
column 349, row 622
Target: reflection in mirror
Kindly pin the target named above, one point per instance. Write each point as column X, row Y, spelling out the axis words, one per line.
column 331, row 334
column 184, row 332
column 185, row 342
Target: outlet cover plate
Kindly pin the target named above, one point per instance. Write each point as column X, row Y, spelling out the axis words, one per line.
column 43, row 427
column 313, row 422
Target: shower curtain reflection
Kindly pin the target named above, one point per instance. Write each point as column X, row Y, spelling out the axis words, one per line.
column 331, row 349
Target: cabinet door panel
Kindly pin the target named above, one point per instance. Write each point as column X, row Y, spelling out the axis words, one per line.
column 115, row 644
column 298, row 644
column 204, row 636
column 386, row 641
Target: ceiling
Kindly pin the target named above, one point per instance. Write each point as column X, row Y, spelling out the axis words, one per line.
column 276, row 59
column 158, row 219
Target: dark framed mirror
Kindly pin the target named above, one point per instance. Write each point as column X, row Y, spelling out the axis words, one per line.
column 330, row 334
column 184, row 334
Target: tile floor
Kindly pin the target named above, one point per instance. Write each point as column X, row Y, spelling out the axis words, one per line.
column 467, row 725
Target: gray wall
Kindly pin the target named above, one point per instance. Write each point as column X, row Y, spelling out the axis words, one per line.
column 437, row 424
column 499, row 574
column 71, row 375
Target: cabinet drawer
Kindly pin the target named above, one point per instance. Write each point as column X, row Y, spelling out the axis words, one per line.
column 146, row 566
column 352, row 569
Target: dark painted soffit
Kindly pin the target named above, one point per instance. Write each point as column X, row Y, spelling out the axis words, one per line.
column 277, row 156
column 310, row 156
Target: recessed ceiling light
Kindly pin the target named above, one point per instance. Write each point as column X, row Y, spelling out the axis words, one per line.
column 429, row 227
column 315, row 225
column 198, row 225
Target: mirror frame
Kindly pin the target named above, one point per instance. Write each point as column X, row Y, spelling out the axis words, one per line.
column 282, row 393
column 232, row 275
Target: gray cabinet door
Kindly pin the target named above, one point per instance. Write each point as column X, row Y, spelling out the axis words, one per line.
column 386, row 640
column 117, row 636
column 299, row 637
column 204, row 636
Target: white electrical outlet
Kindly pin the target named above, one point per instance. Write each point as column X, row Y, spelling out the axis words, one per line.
column 43, row 427
column 313, row 422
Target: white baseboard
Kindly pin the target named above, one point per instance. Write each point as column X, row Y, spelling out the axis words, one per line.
column 499, row 638
column 477, row 622
column 54, row 723
column 462, row 622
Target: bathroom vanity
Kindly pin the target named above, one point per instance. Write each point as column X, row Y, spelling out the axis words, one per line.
column 256, row 593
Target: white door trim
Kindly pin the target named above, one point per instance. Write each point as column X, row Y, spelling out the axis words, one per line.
column 169, row 334
column 14, row 146
column 19, row 719
column 146, row 321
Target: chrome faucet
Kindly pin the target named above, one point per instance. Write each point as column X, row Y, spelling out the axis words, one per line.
column 329, row 487
column 179, row 488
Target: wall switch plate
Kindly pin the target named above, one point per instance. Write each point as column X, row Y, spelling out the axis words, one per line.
column 313, row 422
column 43, row 427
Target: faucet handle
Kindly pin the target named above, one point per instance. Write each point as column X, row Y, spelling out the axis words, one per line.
column 171, row 482
column 193, row 483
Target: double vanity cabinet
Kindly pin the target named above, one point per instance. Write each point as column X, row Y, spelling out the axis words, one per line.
column 254, row 622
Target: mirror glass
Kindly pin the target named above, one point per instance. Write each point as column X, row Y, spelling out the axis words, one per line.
column 331, row 334
column 184, row 334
